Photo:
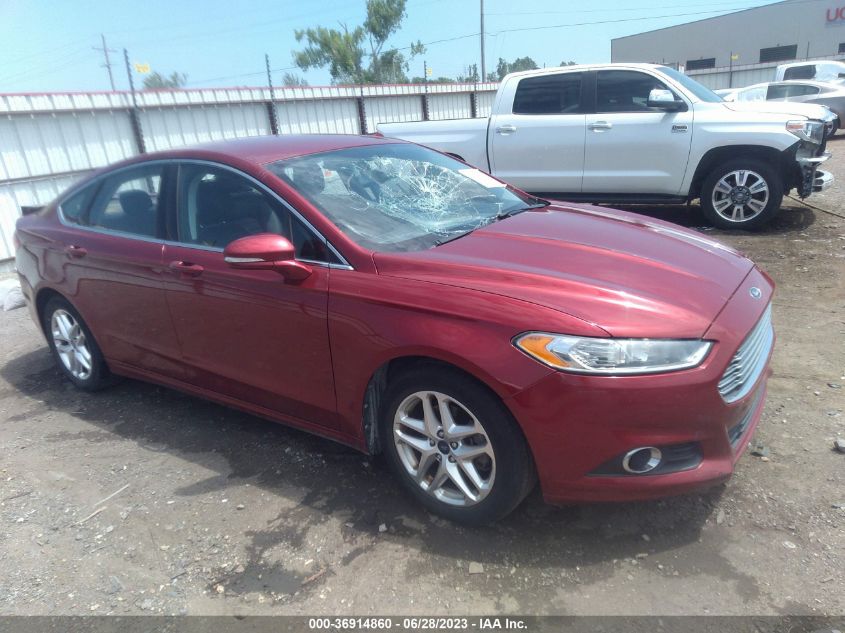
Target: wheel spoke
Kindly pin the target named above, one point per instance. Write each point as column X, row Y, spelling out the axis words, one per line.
column 432, row 424
column 440, row 478
column 756, row 205
column 84, row 359
column 722, row 204
column 426, row 460
column 456, row 476
column 64, row 326
column 472, row 473
column 420, row 444
column 468, row 452
column 738, row 212
column 759, row 187
column 413, row 424
column 723, row 187
column 741, row 177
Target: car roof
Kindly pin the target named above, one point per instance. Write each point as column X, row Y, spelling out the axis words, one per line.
column 267, row 149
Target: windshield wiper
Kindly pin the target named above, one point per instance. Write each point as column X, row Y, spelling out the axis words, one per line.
column 501, row 215
column 446, row 240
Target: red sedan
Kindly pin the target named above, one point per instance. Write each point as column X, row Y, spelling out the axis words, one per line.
column 391, row 298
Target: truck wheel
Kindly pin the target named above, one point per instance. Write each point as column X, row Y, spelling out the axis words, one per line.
column 743, row 193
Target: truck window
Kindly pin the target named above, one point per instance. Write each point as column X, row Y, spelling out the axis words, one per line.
column 805, row 71
column 548, row 94
column 801, row 90
column 625, row 91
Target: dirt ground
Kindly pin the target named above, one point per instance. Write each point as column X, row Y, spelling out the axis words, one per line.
column 141, row 500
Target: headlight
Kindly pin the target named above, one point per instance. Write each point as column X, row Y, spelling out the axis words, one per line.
column 811, row 131
column 612, row 356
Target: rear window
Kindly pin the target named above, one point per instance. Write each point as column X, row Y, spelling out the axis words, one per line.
column 548, row 94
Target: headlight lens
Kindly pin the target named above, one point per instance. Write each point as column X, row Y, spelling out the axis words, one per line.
column 810, row 131
column 612, row 356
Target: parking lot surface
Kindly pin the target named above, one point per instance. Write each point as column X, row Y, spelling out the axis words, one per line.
column 142, row 500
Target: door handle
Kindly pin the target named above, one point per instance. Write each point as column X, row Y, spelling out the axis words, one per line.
column 598, row 126
column 186, row 268
column 75, row 251
column 506, row 129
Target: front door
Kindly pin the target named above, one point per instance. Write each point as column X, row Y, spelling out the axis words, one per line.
column 630, row 147
column 247, row 334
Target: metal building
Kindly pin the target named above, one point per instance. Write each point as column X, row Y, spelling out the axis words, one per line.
column 775, row 33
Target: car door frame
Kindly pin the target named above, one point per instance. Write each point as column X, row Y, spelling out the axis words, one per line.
column 259, row 400
column 155, row 348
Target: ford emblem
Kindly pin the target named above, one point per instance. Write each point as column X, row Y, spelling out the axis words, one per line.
column 754, row 291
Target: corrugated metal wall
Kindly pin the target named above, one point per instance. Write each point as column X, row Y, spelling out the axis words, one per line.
column 48, row 141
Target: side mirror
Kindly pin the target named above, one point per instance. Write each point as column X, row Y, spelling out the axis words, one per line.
column 266, row 251
column 665, row 100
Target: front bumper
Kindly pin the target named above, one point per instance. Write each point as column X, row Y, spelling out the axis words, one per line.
column 576, row 425
column 813, row 178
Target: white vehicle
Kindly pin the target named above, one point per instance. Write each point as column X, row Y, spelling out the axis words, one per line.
column 819, row 71
column 829, row 95
column 637, row 133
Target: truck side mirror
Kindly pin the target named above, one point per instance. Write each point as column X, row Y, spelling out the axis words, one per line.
column 665, row 100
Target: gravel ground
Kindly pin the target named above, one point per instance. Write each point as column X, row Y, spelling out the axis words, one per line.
column 141, row 500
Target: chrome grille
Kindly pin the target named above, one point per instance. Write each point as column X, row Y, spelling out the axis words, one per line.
column 748, row 362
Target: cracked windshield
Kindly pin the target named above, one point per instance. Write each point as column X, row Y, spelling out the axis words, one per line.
column 400, row 197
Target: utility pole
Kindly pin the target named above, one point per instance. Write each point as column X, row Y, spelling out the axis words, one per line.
column 135, row 118
column 425, row 75
column 483, row 62
column 271, row 107
column 107, row 65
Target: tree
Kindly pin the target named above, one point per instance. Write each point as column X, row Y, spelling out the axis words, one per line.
column 344, row 51
column 470, row 75
column 503, row 67
column 157, row 81
column 569, row 63
column 294, row 80
column 437, row 80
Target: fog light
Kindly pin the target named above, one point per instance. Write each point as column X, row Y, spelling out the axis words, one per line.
column 642, row 460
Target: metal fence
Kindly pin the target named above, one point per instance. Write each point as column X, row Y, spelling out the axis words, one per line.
column 47, row 141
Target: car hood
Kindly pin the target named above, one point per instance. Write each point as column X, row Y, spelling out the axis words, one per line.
column 627, row 274
column 809, row 110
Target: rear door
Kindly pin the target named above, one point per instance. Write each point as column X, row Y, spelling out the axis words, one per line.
column 631, row 148
column 538, row 145
column 111, row 253
column 248, row 334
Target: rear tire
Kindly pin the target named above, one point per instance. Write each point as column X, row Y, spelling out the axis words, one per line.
column 73, row 346
column 742, row 193
column 461, row 455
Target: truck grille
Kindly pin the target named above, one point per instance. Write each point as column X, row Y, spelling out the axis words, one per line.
column 748, row 362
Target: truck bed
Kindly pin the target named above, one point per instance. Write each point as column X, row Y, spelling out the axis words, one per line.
column 465, row 138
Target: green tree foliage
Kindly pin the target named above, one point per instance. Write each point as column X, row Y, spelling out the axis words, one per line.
column 157, row 81
column 470, row 75
column 569, row 63
column 294, row 80
column 359, row 55
column 503, row 67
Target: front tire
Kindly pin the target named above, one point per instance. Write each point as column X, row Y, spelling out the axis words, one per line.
column 454, row 446
column 73, row 346
column 742, row 193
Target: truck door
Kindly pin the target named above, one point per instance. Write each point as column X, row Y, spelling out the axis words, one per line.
column 630, row 147
column 537, row 135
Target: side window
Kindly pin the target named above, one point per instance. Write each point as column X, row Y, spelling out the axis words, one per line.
column 801, row 90
column 128, row 202
column 625, row 91
column 74, row 207
column 754, row 94
column 548, row 94
column 217, row 206
column 776, row 91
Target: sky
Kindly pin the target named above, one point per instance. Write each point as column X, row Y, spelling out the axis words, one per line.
column 49, row 45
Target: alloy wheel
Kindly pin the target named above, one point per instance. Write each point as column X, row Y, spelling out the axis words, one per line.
column 71, row 345
column 740, row 195
column 444, row 448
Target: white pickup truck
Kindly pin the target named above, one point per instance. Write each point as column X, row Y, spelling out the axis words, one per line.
column 638, row 133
